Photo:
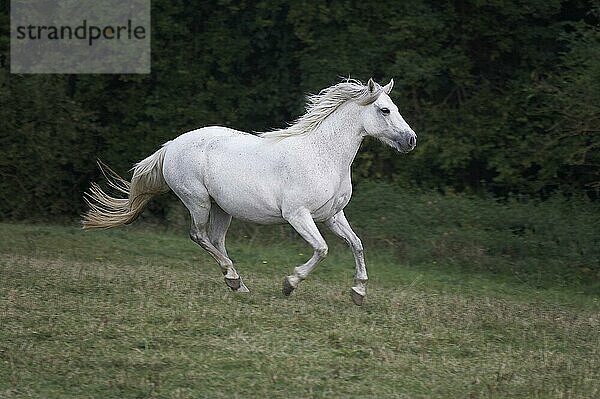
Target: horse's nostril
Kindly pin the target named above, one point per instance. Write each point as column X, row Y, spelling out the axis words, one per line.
column 412, row 141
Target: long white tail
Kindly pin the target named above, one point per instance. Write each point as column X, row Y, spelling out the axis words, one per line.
column 147, row 181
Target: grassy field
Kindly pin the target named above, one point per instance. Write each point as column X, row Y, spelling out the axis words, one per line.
column 144, row 313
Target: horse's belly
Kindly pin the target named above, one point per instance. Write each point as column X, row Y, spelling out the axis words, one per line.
column 245, row 193
column 249, row 211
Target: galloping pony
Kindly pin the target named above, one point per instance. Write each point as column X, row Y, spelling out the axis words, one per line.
column 297, row 175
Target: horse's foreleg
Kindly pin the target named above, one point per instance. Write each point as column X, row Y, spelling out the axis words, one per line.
column 303, row 223
column 339, row 226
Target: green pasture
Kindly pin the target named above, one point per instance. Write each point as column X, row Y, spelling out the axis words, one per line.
column 467, row 298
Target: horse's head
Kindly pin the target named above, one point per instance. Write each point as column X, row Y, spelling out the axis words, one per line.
column 382, row 120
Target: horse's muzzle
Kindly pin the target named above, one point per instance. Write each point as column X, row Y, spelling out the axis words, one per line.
column 407, row 142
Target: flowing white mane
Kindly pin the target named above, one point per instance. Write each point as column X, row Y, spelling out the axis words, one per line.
column 320, row 106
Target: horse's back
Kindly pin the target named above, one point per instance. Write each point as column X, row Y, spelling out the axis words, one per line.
column 195, row 142
column 183, row 163
column 200, row 136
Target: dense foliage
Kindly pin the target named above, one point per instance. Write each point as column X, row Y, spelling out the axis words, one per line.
column 505, row 95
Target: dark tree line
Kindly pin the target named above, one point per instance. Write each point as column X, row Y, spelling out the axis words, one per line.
column 505, row 95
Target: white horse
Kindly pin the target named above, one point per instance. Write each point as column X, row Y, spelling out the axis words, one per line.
column 299, row 175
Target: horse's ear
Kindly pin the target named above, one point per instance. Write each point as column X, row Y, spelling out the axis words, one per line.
column 388, row 87
column 371, row 85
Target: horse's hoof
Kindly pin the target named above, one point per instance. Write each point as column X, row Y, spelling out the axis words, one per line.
column 233, row 283
column 358, row 295
column 288, row 288
column 242, row 288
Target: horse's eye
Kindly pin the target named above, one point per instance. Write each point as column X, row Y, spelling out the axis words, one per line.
column 385, row 111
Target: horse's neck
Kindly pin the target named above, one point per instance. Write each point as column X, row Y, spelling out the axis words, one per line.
column 338, row 137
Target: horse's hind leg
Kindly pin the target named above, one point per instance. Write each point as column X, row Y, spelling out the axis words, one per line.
column 198, row 203
column 217, row 229
column 199, row 234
